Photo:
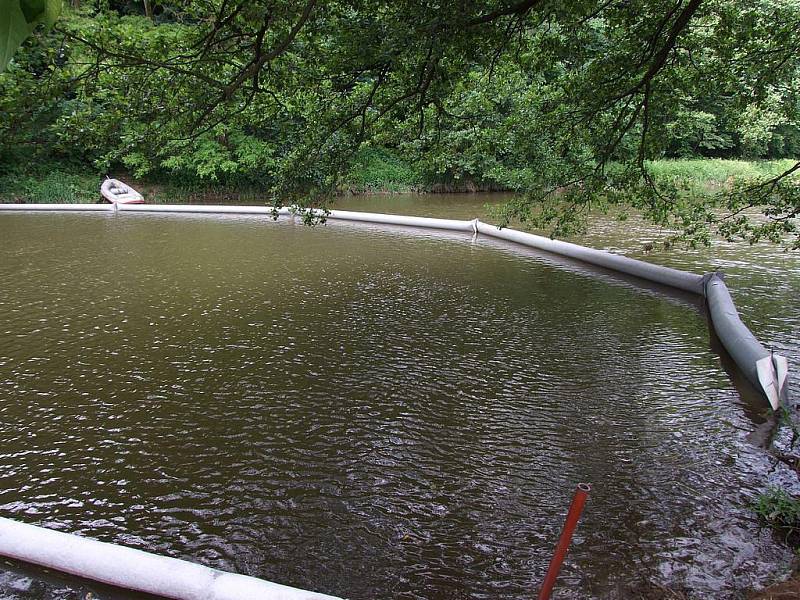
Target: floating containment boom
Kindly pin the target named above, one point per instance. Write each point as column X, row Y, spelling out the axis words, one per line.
column 682, row 280
column 134, row 569
column 766, row 371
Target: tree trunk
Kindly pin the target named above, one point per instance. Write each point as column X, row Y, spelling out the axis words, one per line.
column 148, row 9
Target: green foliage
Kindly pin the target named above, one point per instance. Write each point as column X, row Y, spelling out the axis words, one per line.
column 380, row 170
column 572, row 105
column 757, row 124
column 225, row 158
column 779, row 510
column 18, row 19
column 50, row 184
column 714, row 171
column 696, row 133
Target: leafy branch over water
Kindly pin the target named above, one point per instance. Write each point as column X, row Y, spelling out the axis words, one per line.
column 567, row 104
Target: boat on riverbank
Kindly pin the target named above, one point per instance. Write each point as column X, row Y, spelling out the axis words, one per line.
column 118, row 192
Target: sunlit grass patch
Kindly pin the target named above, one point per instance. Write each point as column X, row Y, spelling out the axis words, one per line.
column 715, row 172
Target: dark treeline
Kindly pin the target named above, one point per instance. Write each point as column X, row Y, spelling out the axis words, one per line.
column 565, row 102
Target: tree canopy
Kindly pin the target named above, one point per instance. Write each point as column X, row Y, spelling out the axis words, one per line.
column 565, row 103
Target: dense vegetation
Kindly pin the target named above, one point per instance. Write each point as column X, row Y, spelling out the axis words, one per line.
column 568, row 104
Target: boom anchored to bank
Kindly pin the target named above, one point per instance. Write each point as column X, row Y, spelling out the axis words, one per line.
column 141, row 571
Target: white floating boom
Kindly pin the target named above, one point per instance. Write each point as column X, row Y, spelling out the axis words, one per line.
column 134, row 569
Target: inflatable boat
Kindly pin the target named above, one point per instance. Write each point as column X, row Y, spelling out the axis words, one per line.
column 117, row 192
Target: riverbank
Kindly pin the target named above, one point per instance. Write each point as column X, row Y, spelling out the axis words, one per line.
column 373, row 173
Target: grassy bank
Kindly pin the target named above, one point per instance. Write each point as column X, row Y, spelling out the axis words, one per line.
column 63, row 184
column 70, row 184
column 375, row 171
column 378, row 171
column 714, row 173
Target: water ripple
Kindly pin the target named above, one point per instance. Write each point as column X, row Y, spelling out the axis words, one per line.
column 367, row 413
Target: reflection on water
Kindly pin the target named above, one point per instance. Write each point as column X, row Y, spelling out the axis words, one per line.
column 443, row 206
column 373, row 413
column 764, row 279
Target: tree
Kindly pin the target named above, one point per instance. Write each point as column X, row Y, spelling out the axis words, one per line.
column 564, row 102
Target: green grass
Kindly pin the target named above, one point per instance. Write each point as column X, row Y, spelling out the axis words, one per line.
column 169, row 193
column 381, row 170
column 715, row 172
column 56, row 183
column 375, row 170
column 781, row 511
column 51, row 187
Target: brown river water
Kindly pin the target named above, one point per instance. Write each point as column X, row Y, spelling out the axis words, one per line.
column 383, row 412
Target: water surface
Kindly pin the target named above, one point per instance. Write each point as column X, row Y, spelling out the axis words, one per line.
column 376, row 413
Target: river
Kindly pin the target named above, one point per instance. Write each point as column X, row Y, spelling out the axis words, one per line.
column 383, row 412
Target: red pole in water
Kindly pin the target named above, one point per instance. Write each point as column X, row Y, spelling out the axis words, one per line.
column 575, row 510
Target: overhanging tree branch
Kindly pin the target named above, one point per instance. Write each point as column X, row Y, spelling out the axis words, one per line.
column 515, row 9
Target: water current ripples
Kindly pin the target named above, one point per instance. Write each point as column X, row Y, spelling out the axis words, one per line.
column 372, row 413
